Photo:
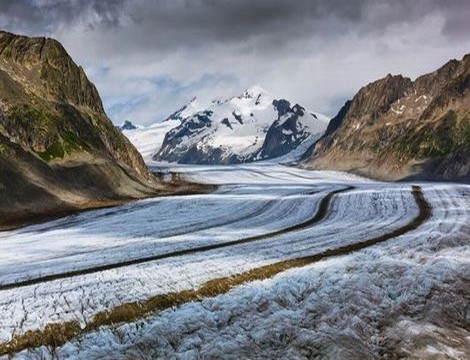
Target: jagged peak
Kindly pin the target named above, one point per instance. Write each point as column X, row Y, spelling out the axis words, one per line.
column 384, row 83
column 128, row 125
column 217, row 101
column 254, row 91
column 66, row 81
column 189, row 109
column 36, row 45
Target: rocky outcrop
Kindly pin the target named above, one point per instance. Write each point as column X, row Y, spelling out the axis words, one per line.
column 58, row 149
column 127, row 125
column 286, row 133
column 395, row 128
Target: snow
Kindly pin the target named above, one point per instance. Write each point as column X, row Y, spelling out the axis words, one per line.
column 193, row 107
column 187, row 110
column 349, row 306
column 256, row 107
column 148, row 140
column 328, row 309
column 243, row 138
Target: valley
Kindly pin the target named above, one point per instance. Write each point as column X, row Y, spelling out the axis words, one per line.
column 287, row 232
column 243, row 225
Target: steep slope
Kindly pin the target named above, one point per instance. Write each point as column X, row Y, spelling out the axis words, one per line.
column 186, row 110
column 250, row 127
column 58, row 149
column 395, row 128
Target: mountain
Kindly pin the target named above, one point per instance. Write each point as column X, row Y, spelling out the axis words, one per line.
column 127, row 125
column 187, row 110
column 395, row 128
column 148, row 140
column 58, row 150
column 253, row 126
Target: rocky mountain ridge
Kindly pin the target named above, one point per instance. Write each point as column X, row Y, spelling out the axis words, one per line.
column 58, row 150
column 396, row 128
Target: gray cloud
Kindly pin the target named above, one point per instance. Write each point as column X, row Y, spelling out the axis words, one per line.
column 226, row 20
column 317, row 52
column 44, row 16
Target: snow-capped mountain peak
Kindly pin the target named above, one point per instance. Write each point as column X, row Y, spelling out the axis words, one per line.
column 253, row 126
column 256, row 125
column 255, row 91
column 187, row 110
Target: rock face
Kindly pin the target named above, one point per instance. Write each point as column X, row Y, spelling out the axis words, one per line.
column 127, row 125
column 250, row 127
column 286, row 133
column 395, row 128
column 58, row 149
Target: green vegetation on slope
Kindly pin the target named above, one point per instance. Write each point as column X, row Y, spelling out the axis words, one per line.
column 46, row 128
column 451, row 134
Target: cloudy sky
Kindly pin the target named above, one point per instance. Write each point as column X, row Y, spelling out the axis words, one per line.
column 149, row 57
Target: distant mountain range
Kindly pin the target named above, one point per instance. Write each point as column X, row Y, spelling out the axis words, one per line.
column 253, row 126
column 395, row 128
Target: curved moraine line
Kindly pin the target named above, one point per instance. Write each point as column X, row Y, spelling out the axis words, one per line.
column 206, row 226
column 57, row 334
column 199, row 226
column 320, row 214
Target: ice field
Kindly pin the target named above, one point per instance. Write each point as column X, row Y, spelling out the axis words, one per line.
column 409, row 293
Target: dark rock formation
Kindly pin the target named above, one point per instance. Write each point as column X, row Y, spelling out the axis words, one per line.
column 284, row 135
column 127, row 125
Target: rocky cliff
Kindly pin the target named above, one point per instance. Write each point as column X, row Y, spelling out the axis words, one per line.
column 395, row 128
column 58, row 149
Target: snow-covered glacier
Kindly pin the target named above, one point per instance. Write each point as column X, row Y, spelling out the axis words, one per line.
column 406, row 296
